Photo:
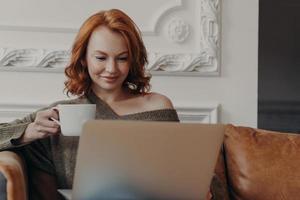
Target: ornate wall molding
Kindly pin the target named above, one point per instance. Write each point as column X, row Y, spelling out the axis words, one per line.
column 164, row 10
column 203, row 113
column 182, row 64
column 200, row 113
column 33, row 58
column 204, row 62
column 178, row 30
column 42, row 60
column 210, row 19
column 147, row 30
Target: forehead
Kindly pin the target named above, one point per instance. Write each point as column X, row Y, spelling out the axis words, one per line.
column 104, row 39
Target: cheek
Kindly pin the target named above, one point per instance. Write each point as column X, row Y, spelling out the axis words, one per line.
column 93, row 72
column 92, row 65
column 125, row 69
column 94, row 68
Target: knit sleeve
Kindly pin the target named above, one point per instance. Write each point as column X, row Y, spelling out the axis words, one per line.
column 9, row 132
column 36, row 153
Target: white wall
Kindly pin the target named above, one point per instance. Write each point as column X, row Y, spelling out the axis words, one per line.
column 235, row 89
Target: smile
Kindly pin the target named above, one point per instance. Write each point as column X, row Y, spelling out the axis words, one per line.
column 109, row 78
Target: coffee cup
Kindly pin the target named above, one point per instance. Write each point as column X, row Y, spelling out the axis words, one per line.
column 73, row 116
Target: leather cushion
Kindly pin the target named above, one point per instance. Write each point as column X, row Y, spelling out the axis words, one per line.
column 262, row 164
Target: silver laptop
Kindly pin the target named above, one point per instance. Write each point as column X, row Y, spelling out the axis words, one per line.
column 145, row 160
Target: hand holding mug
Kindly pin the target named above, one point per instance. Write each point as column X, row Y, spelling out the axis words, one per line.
column 65, row 118
column 42, row 127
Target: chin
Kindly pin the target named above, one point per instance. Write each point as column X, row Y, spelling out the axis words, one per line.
column 109, row 86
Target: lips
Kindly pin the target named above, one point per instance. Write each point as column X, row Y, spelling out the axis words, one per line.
column 109, row 78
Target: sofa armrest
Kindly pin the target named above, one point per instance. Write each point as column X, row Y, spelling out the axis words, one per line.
column 12, row 169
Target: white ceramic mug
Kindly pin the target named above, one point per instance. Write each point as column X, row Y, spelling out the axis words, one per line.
column 73, row 116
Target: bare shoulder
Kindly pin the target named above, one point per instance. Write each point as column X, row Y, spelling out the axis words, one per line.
column 156, row 101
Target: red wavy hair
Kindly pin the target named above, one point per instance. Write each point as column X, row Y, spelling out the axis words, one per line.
column 78, row 80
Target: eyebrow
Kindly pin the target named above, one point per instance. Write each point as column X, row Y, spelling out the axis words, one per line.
column 102, row 52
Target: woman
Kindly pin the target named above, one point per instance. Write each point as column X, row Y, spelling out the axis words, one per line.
column 107, row 68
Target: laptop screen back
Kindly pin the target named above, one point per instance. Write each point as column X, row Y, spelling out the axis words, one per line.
column 146, row 160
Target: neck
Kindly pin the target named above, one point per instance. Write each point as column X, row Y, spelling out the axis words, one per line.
column 111, row 96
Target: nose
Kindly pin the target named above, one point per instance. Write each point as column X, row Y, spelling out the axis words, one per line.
column 111, row 66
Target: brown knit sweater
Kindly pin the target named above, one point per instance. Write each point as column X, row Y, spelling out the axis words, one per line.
column 56, row 155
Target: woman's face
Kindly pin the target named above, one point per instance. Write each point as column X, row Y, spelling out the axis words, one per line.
column 107, row 60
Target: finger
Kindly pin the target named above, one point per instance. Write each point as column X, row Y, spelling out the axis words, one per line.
column 55, row 112
column 55, row 115
column 43, row 135
column 55, row 108
column 47, row 123
column 55, row 120
column 51, row 131
column 47, row 114
column 48, row 130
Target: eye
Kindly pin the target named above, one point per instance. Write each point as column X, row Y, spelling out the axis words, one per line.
column 123, row 58
column 101, row 58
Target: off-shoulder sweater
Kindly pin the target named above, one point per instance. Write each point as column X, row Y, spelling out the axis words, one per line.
column 56, row 155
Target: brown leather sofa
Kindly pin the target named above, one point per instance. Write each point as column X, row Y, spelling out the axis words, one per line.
column 18, row 182
column 253, row 165
column 258, row 165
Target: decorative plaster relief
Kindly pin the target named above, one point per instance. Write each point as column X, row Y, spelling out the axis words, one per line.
column 162, row 11
column 149, row 29
column 178, row 30
column 202, row 113
column 188, row 63
column 55, row 61
column 205, row 62
column 11, row 59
